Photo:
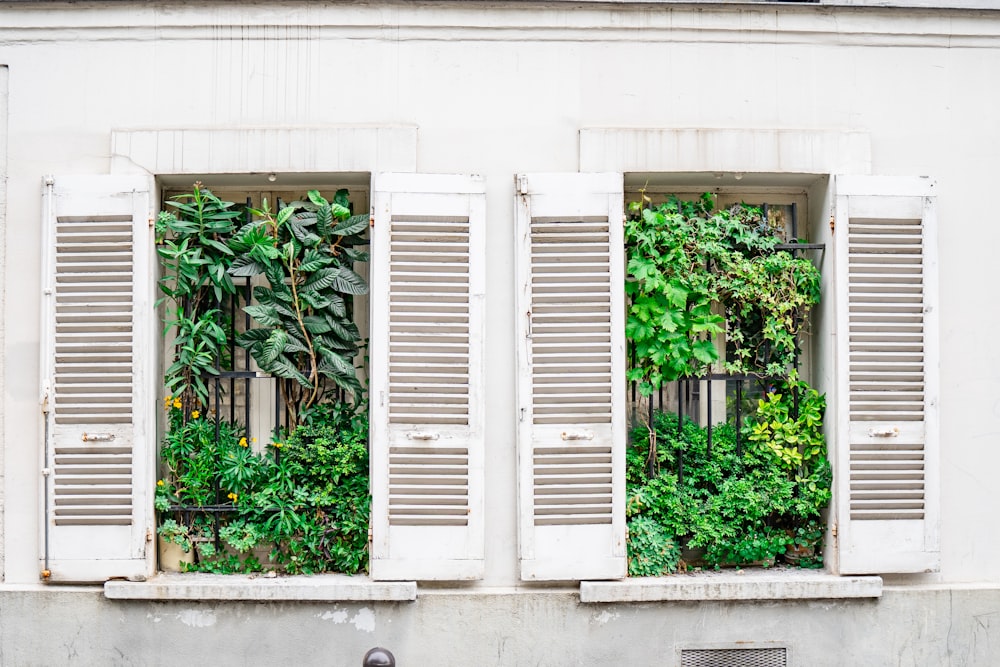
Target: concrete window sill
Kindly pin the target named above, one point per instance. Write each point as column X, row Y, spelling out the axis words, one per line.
column 314, row 588
column 733, row 585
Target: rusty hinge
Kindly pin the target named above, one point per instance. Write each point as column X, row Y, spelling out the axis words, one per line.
column 833, row 224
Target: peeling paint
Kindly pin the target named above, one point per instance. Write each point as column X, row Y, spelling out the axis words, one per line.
column 197, row 619
column 604, row 617
column 364, row 620
column 339, row 616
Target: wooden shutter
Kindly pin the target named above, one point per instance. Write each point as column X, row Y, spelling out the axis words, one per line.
column 97, row 372
column 571, row 376
column 428, row 280
column 887, row 368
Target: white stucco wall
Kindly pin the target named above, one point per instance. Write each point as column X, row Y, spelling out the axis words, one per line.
column 496, row 90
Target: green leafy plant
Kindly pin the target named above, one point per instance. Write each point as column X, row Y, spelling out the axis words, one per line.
column 304, row 499
column 651, row 549
column 191, row 243
column 175, row 533
column 688, row 264
column 304, row 332
column 741, row 505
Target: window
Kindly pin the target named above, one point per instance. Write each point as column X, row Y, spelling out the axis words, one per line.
column 101, row 384
column 881, row 423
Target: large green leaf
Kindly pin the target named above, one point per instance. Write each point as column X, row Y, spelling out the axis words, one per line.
column 316, row 324
column 348, row 282
column 313, row 261
column 265, row 315
column 353, row 225
column 321, row 279
column 273, row 347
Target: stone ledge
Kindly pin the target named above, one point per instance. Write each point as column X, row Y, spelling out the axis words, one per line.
column 733, row 585
column 315, row 588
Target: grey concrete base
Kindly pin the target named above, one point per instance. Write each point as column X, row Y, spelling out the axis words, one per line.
column 441, row 628
column 317, row 588
column 790, row 584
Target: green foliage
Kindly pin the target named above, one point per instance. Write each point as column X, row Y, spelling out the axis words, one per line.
column 304, row 331
column 790, row 425
column 651, row 550
column 191, row 243
column 741, row 507
column 298, row 506
column 176, row 533
column 687, row 264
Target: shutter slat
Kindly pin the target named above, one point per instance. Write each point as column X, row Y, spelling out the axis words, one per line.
column 887, row 356
column 571, row 438
column 426, row 370
column 98, row 314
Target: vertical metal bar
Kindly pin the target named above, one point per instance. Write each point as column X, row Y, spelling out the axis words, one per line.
column 739, row 418
column 247, row 296
column 218, row 424
column 652, row 460
column 795, row 221
column 232, row 357
column 680, row 442
column 632, row 365
column 708, row 396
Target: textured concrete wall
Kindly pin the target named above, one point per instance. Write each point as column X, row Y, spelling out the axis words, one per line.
column 928, row 627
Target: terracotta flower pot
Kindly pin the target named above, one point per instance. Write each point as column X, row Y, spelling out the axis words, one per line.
column 172, row 556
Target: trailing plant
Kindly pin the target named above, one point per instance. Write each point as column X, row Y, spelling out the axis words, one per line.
column 688, row 264
column 694, row 273
column 191, row 243
column 304, row 332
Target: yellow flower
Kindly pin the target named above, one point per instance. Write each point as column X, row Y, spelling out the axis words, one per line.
column 159, row 482
column 253, row 439
column 177, row 403
column 278, row 445
column 195, row 414
column 244, row 443
column 232, row 496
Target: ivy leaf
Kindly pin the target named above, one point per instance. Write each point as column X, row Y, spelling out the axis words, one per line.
column 704, row 351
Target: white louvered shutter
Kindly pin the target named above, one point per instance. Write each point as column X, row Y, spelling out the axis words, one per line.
column 887, row 462
column 96, row 377
column 428, row 282
column 571, row 376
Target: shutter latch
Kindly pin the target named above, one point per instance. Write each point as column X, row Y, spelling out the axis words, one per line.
column 98, row 437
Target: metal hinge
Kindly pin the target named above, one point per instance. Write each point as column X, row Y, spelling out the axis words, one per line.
column 522, row 185
column 833, row 224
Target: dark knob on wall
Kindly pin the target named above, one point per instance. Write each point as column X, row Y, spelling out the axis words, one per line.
column 379, row 657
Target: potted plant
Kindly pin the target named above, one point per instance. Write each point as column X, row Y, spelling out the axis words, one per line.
column 175, row 547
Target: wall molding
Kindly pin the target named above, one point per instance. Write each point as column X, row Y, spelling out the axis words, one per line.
column 353, row 148
column 724, row 150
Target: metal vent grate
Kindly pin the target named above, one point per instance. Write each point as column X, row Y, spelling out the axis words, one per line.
column 734, row 657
